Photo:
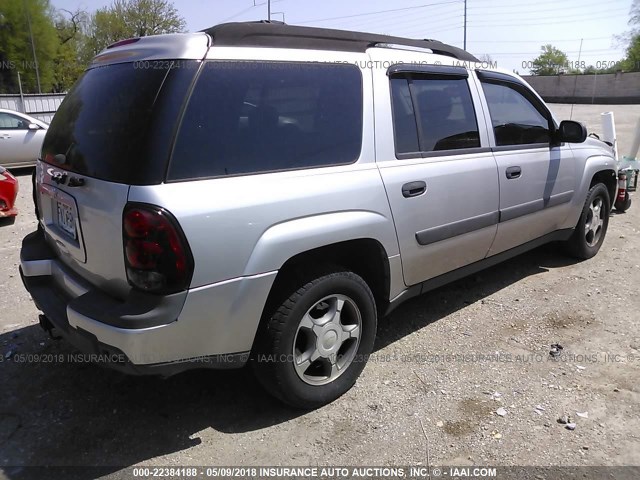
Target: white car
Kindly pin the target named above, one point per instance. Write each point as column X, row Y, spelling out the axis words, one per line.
column 21, row 139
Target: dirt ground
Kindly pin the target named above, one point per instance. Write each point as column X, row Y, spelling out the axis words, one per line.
column 445, row 362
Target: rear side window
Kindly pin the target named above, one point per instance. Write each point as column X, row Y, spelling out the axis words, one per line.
column 515, row 119
column 433, row 113
column 253, row 117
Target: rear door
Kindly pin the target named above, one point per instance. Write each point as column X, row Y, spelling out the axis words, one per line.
column 438, row 171
column 537, row 177
column 114, row 129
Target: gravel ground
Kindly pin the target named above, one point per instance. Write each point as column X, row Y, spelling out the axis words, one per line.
column 444, row 365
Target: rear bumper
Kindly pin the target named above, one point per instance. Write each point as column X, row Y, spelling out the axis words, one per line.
column 207, row 327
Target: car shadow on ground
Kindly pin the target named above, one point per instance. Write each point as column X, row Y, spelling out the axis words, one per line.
column 425, row 309
column 58, row 411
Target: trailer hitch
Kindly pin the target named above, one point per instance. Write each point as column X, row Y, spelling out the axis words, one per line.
column 48, row 327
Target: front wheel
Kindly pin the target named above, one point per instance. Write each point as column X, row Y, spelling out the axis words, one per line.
column 591, row 229
column 314, row 347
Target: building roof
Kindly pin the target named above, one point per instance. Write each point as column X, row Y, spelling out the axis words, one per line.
column 280, row 35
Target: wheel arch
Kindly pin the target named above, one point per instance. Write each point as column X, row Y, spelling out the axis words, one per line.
column 609, row 178
column 365, row 257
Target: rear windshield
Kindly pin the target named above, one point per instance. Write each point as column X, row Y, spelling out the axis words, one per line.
column 253, row 117
column 114, row 124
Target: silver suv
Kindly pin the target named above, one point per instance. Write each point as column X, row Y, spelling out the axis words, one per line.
column 262, row 193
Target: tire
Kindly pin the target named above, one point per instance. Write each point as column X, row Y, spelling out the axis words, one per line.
column 588, row 236
column 624, row 205
column 310, row 352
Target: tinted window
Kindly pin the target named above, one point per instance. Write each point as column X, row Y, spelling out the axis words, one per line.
column 435, row 112
column 115, row 124
column 404, row 119
column 515, row 119
column 250, row 117
column 444, row 115
column 11, row 122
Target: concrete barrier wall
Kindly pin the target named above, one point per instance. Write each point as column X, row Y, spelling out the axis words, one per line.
column 614, row 88
column 610, row 88
column 42, row 107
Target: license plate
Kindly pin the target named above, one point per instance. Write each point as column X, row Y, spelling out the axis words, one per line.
column 66, row 219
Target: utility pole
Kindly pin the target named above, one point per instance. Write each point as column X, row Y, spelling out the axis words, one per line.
column 465, row 25
column 269, row 9
column 22, row 107
column 33, row 46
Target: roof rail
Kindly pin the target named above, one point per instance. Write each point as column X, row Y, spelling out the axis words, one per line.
column 280, row 35
column 408, row 48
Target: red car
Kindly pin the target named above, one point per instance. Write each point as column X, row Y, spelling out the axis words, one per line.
column 8, row 193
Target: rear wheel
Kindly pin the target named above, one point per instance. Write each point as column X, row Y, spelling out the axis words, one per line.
column 314, row 347
column 591, row 229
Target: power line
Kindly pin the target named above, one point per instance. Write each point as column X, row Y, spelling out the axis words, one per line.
column 397, row 19
column 561, row 22
column 428, row 33
column 542, row 40
column 557, row 11
column 492, row 5
column 250, row 7
column 426, row 22
column 603, row 50
column 237, row 14
column 592, row 16
column 379, row 12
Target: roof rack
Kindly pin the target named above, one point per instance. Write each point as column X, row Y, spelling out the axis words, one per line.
column 278, row 34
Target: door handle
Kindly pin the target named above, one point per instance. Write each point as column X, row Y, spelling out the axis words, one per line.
column 413, row 189
column 514, row 172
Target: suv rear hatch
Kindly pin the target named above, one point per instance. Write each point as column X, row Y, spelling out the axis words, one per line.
column 114, row 129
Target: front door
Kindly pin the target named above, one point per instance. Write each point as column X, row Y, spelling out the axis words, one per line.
column 440, row 177
column 537, row 177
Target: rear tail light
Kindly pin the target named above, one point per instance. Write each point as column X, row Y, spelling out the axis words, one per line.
column 6, row 175
column 157, row 255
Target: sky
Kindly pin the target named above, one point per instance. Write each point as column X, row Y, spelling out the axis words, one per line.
column 511, row 33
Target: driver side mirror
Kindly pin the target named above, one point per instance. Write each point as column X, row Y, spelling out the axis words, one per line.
column 571, row 132
column 33, row 126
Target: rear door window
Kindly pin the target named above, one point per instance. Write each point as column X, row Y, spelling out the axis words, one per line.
column 433, row 113
column 254, row 117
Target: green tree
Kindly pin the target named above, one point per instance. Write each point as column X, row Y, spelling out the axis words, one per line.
column 68, row 63
column 16, row 52
column 634, row 18
column 632, row 62
column 551, row 61
column 131, row 18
